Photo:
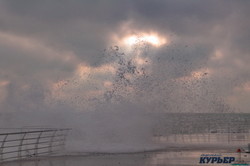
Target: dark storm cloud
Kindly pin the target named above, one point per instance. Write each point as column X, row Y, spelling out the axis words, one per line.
column 85, row 26
column 80, row 26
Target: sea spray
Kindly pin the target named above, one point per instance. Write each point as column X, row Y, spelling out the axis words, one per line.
column 124, row 115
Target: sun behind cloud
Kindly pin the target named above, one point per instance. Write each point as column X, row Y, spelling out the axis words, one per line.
column 152, row 39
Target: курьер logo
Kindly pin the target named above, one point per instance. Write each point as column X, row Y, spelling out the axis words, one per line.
column 215, row 159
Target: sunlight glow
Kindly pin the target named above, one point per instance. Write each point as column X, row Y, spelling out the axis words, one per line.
column 151, row 39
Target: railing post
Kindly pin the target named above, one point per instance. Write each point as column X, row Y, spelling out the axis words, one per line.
column 37, row 143
column 51, row 141
column 64, row 138
column 2, row 147
column 20, row 146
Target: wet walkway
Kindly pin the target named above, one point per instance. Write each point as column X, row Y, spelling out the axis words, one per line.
column 154, row 158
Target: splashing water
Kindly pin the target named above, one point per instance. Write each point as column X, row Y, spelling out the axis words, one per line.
column 141, row 85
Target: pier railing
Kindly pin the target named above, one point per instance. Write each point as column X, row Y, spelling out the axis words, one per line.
column 221, row 134
column 29, row 143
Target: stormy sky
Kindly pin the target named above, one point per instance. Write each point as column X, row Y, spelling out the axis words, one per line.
column 73, row 54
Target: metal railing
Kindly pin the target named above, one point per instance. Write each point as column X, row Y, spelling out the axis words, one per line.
column 31, row 142
column 219, row 134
